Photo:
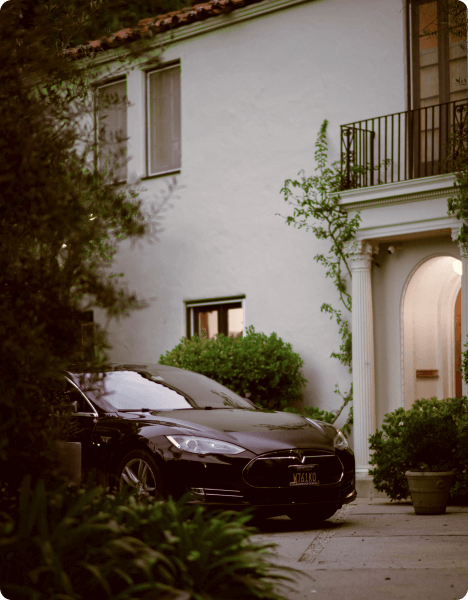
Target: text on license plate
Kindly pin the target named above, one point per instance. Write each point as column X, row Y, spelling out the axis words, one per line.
column 303, row 476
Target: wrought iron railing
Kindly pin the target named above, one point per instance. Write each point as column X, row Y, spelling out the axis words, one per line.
column 401, row 146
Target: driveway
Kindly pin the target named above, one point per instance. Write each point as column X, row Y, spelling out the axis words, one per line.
column 373, row 549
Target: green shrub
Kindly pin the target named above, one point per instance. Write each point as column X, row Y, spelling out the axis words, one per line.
column 79, row 544
column 432, row 435
column 264, row 369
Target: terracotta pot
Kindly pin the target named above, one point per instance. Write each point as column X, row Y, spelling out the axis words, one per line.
column 69, row 454
column 429, row 491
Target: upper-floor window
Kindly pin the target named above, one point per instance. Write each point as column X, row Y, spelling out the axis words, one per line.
column 438, row 29
column 112, row 128
column 207, row 318
column 164, row 135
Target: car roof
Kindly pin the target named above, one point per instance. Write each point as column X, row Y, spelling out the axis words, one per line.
column 114, row 366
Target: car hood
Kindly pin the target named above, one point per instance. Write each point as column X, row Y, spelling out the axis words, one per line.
column 256, row 430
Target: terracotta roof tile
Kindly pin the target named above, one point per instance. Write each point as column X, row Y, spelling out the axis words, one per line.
column 153, row 25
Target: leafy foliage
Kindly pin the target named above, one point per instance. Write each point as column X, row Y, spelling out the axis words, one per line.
column 432, row 435
column 61, row 220
column 315, row 201
column 73, row 544
column 318, row 201
column 263, row 368
column 76, row 22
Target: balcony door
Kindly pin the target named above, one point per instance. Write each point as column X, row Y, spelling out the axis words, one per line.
column 439, row 79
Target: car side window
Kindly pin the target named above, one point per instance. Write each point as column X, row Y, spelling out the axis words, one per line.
column 66, row 394
column 77, row 402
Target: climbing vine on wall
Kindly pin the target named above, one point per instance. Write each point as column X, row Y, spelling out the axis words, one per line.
column 315, row 202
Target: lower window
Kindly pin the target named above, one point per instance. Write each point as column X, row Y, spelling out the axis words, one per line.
column 209, row 317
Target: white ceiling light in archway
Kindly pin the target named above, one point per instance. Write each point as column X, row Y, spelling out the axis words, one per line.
column 457, row 266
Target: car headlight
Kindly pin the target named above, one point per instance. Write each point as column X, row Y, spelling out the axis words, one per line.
column 199, row 445
column 340, row 442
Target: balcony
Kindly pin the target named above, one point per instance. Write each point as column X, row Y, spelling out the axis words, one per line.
column 401, row 146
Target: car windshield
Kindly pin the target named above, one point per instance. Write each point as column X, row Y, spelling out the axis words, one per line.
column 127, row 390
column 204, row 392
column 130, row 389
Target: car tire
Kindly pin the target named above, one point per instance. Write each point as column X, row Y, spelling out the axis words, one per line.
column 311, row 515
column 139, row 470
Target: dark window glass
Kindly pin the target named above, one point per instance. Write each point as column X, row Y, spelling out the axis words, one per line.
column 204, row 391
column 127, row 390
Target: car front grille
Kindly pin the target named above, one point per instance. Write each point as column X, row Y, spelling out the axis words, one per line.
column 272, row 470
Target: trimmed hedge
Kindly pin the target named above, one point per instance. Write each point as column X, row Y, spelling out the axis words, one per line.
column 262, row 368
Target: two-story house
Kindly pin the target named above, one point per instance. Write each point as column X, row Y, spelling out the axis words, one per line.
column 233, row 110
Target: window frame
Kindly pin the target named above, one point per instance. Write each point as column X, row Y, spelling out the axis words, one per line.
column 413, row 54
column 149, row 72
column 192, row 309
column 92, row 412
column 98, row 86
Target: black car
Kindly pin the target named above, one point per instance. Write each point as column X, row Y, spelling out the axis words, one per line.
column 168, row 431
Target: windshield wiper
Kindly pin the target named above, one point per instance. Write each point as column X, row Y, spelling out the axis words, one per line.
column 136, row 409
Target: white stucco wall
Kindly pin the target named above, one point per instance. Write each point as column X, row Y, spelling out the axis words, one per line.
column 253, row 99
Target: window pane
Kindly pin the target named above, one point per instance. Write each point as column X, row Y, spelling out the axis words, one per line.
column 428, row 54
column 235, row 322
column 164, row 120
column 208, row 323
column 112, row 117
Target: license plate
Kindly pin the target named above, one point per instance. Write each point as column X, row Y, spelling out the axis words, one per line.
column 303, row 475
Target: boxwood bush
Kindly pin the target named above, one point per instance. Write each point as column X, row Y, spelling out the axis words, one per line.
column 431, row 435
column 76, row 544
column 262, row 368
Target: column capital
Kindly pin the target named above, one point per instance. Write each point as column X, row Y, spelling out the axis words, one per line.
column 360, row 253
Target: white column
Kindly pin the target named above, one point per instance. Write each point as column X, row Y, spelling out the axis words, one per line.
column 464, row 296
column 360, row 254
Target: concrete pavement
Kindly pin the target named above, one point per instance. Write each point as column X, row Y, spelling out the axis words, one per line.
column 374, row 549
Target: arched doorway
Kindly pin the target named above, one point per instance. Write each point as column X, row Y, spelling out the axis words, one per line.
column 430, row 347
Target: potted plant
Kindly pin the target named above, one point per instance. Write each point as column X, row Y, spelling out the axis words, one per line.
column 428, row 446
column 62, row 428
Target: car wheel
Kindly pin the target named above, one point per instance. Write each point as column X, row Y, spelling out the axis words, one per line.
column 311, row 515
column 139, row 470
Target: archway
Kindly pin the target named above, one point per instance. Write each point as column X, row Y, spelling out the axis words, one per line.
column 430, row 351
